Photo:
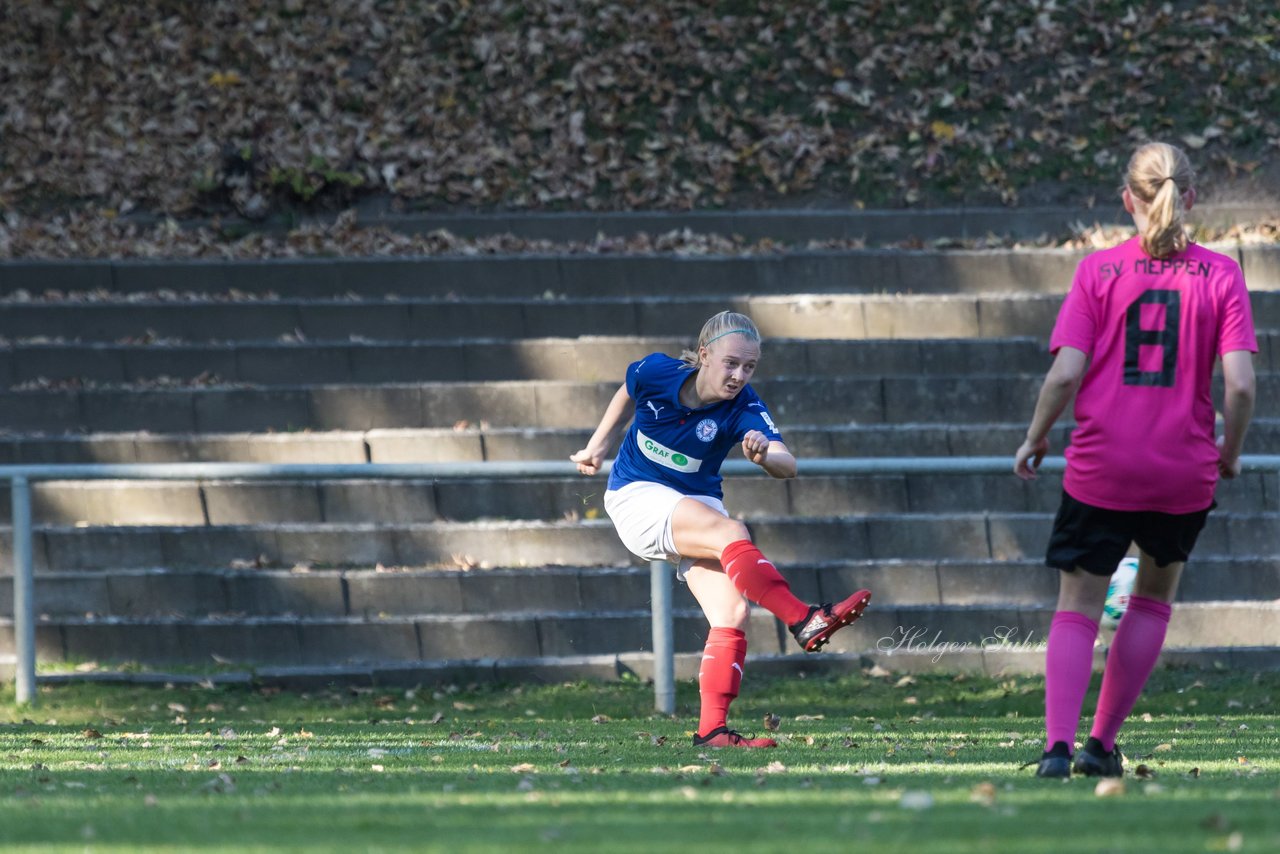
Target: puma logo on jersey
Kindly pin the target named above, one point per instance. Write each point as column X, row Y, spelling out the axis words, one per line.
column 656, row 409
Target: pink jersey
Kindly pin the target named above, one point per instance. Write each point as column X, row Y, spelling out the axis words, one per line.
column 1144, row 437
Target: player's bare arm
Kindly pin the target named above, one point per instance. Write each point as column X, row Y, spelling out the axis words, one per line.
column 773, row 457
column 617, row 415
column 1060, row 384
column 1240, row 390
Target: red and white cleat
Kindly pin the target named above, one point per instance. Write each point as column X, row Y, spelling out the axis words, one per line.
column 813, row 632
column 725, row 737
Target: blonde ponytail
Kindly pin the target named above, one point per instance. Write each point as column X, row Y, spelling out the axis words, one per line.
column 1160, row 175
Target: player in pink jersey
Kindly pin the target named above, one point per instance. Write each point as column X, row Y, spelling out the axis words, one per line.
column 1135, row 343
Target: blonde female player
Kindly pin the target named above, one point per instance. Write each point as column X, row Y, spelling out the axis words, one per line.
column 664, row 498
column 1135, row 342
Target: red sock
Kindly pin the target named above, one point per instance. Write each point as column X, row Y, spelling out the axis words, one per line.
column 759, row 581
column 1132, row 657
column 1068, row 667
column 719, row 676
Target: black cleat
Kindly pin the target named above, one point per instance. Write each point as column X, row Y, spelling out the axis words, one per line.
column 1056, row 762
column 1094, row 761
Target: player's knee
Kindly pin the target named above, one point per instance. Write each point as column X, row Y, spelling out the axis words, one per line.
column 731, row 614
column 1160, row 590
column 1158, row 582
column 731, row 530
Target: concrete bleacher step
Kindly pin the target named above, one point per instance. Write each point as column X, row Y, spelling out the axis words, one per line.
column 567, row 274
column 835, row 316
column 389, row 502
column 596, row 359
column 928, row 614
column 793, row 313
column 378, row 593
column 818, row 401
column 798, row 226
column 475, row 444
column 301, row 641
column 482, row 360
column 543, row 403
column 869, row 353
column 493, row 543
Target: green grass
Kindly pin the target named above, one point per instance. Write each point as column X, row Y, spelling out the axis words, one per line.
column 928, row 764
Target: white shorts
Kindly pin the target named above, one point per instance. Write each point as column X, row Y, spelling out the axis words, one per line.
column 641, row 512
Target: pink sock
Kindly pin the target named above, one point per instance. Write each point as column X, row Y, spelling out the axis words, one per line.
column 1068, row 665
column 719, row 676
column 1132, row 657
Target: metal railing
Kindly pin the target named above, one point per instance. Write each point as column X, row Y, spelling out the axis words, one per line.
column 21, row 477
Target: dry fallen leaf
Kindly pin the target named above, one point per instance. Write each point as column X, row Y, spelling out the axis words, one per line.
column 983, row 793
column 1109, row 787
column 760, row 109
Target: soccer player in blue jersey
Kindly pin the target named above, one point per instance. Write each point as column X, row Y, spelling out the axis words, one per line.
column 664, row 498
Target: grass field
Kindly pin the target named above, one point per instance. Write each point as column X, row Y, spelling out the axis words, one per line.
column 876, row 763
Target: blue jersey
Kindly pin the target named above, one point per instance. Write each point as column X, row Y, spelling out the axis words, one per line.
column 671, row 444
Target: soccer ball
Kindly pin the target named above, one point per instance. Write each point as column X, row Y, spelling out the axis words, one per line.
column 1118, row 592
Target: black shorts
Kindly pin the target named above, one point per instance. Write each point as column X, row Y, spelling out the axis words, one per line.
column 1095, row 539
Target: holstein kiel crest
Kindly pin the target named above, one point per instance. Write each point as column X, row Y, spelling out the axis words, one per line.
column 706, row 429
